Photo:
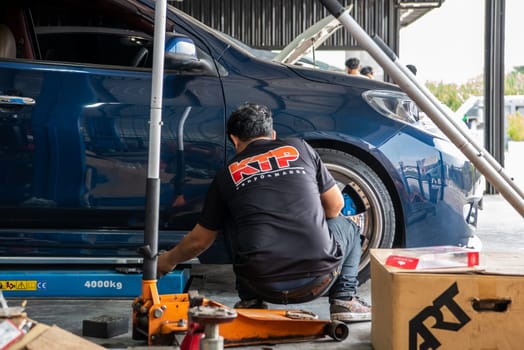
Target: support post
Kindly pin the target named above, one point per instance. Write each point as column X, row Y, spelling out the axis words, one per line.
column 494, row 117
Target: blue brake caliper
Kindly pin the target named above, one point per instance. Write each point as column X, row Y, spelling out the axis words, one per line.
column 349, row 206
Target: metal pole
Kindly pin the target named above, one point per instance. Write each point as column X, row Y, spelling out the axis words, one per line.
column 430, row 105
column 494, row 81
column 155, row 125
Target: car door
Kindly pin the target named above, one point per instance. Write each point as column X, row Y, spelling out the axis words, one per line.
column 83, row 135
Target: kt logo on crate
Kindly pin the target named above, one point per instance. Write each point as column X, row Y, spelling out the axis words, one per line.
column 419, row 333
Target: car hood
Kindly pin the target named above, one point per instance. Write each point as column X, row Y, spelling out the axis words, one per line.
column 342, row 78
column 310, row 39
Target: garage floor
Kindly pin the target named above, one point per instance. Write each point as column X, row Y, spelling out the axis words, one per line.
column 501, row 228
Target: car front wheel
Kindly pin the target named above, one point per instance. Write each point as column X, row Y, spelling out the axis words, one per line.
column 360, row 184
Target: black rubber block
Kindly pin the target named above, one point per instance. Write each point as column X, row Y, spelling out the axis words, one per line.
column 105, row 326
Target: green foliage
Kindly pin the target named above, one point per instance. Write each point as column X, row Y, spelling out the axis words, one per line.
column 446, row 93
column 453, row 95
column 519, row 69
column 514, row 82
column 516, row 127
column 473, row 87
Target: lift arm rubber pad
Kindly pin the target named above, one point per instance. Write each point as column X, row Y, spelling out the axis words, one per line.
column 105, row 326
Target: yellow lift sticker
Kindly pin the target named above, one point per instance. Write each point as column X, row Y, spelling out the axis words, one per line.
column 18, row 285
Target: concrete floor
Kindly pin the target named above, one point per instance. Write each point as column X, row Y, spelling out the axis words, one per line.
column 500, row 228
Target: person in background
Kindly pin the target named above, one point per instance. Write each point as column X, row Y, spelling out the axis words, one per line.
column 412, row 68
column 368, row 72
column 353, row 66
column 281, row 208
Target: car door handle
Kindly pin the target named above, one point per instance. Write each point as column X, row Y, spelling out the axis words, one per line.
column 16, row 101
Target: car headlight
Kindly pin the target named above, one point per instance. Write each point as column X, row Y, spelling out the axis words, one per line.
column 393, row 104
column 397, row 105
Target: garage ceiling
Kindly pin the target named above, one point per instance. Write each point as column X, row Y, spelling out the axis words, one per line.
column 411, row 10
column 272, row 24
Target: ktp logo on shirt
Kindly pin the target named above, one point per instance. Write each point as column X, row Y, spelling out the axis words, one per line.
column 261, row 163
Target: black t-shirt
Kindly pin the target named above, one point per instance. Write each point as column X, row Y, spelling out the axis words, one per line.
column 271, row 193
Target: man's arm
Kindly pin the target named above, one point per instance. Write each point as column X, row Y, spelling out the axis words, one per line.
column 192, row 245
column 332, row 202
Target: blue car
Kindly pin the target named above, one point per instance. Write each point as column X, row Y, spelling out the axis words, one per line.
column 75, row 89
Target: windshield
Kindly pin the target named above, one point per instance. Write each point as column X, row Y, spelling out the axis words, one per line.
column 306, row 60
column 264, row 54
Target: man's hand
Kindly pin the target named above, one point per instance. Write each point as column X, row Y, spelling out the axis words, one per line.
column 164, row 266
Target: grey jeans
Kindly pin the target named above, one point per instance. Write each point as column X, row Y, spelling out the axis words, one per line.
column 347, row 235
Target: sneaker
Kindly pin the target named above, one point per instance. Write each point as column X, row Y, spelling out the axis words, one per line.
column 352, row 310
column 251, row 304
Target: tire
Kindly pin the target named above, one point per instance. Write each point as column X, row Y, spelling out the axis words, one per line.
column 377, row 221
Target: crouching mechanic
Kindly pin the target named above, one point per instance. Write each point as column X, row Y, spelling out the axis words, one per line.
column 290, row 243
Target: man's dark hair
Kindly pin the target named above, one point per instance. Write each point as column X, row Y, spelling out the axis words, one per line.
column 352, row 63
column 250, row 121
column 412, row 68
column 366, row 70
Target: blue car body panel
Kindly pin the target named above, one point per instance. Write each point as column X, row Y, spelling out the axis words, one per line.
column 73, row 166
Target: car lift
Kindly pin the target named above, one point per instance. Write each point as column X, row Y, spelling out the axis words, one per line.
column 43, row 280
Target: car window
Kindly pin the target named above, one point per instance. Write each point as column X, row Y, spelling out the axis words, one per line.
column 95, row 45
column 98, row 36
column 97, row 32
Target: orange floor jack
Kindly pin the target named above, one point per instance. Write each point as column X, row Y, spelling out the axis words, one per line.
column 211, row 325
